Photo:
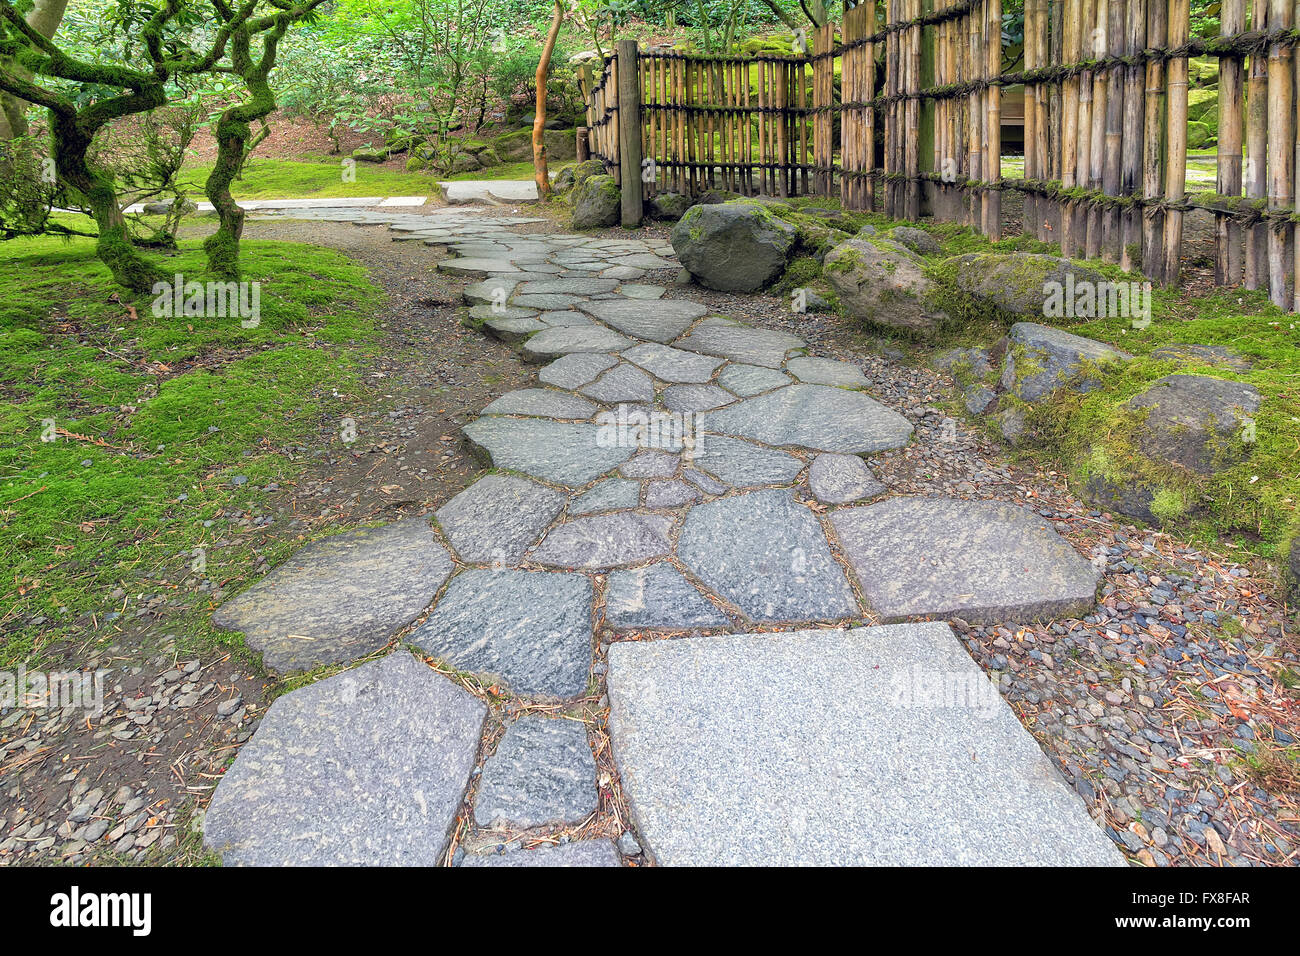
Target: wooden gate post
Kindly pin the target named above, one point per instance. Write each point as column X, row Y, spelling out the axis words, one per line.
column 582, row 144
column 629, row 131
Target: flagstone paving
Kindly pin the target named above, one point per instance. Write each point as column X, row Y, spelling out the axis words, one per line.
column 673, row 472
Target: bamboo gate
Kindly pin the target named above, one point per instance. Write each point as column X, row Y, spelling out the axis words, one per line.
column 904, row 117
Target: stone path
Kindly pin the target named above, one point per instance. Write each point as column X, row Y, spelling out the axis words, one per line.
column 673, row 474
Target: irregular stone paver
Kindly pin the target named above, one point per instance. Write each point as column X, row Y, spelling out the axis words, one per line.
column 986, row 562
column 340, row 598
column 742, row 464
column 496, row 519
column 510, row 329
column 542, row 774
column 766, row 554
column 747, row 380
column 541, row 403
column 659, row 321
column 608, row 495
column 670, row 494
column 814, row 416
column 650, row 464
column 605, row 541
column 821, row 371
column 740, row 343
column 658, row 596
column 832, row 747
column 582, row 853
column 634, row 290
column 546, row 300
column 570, row 286
column 695, row 398
column 567, row 317
column 574, row 371
column 477, row 267
column 567, row 453
column 672, row 365
column 491, row 291
column 530, row 628
column 567, row 339
column 622, row 383
column 365, row 768
column 839, row 479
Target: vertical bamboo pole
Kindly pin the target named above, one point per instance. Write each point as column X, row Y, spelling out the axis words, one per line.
column 1097, row 155
column 991, row 202
column 1083, row 162
column 1153, row 132
column 629, row 131
column 1072, row 15
column 912, row 117
column 975, row 154
column 1281, row 152
column 1295, row 173
column 1227, row 234
column 1176, row 139
column 1030, row 218
column 1256, row 174
column 1114, row 136
column 1131, row 175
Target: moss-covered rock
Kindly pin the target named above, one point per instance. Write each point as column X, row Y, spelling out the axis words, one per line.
column 1199, row 136
column 668, row 206
column 883, row 283
column 586, row 169
column 1039, row 359
column 734, row 247
column 370, row 155
column 1016, row 285
column 597, row 203
column 918, row 240
column 517, row 145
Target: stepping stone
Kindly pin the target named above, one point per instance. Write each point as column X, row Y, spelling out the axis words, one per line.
column 605, row 541
column 576, row 370
column 670, row 494
column 566, row 340
column 814, row 416
column 672, row 365
column 767, row 555
column 661, row 321
column 690, row 399
column 531, row 629
column 491, row 291
column 986, row 562
column 634, row 290
column 566, row 453
column 340, row 598
column 542, row 774
column 541, row 403
column 623, row 383
column 622, row 272
column 743, row 465
column 570, row 286
column 821, row 371
column 511, row 330
column 741, row 343
column 796, row 739
column 650, row 464
column 608, row 495
column 365, row 768
column 546, row 300
column 710, row 486
column 582, row 853
column 747, row 380
column 658, row 596
column 564, row 318
column 641, row 426
column 496, row 519
column 839, row 479
column 477, row 266
column 645, row 261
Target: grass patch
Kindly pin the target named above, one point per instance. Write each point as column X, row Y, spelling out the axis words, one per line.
column 315, row 178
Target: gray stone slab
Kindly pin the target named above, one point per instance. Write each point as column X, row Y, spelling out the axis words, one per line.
column 635, row 290
column 747, row 380
column 478, row 266
column 546, row 300
column 340, row 598
column 491, row 291
column 564, row 318
column 574, row 371
column 583, row 853
column 541, row 403
column 566, row 453
column 596, row 542
column 670, row 494
column 658, row 596
column 692, row 399
column 838, row 479
column 566, row 340
column 609, row 495
column 569, row 286
column 496, row 519
column 818, row 417
column 645, row 261
column 823, row 371
column 987, row 562
column 365, row 768
column 650, row 464
column 531, row 629
column 658, row 321
column 542, row 774
column 622, row 383
column 511, row 329
column 672, row 365
column 741, row 343
column 766, row 554
column 831, row 747
column 742, row 464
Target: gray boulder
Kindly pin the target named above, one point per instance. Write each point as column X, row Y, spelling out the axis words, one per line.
column 1040, row 359
column 1195, row 421
column 597, row 203
column 1015, row 283
column 733, row 246
column 669, row 206
column 881, row 282
column 918, row 240
column 370, row 155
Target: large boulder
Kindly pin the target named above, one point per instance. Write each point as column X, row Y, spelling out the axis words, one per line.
column 918, row 240
column 882, row 282
column 669, row 206
column 517, row 146
column 1195, row 421
column 1016, row 283
column 597, row 203
column 734, row 246
column 1040, row 359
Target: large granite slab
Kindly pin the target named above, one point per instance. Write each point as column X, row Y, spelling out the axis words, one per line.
column 567, row 453
column 600, row 541
column 661, row 320
column 582, row 853
column 496, row 519
column 542, row 774
column 819, row 417
column 740, row 343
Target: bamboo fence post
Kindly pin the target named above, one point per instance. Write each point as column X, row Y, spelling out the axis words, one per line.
column 1131, row 173
column 1097, row 138
column 1281, row 151
column 1256, row 174
column 1114, row 136
column 991, row 201
column 912, row 116
column 975, row 36
column 1227, row 234
column 1083, row 161
column 1176, row 139
column 629, row 131
column 1295, row 172
column 1069, row 150
column 1153, row 131
column 1030, row 218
